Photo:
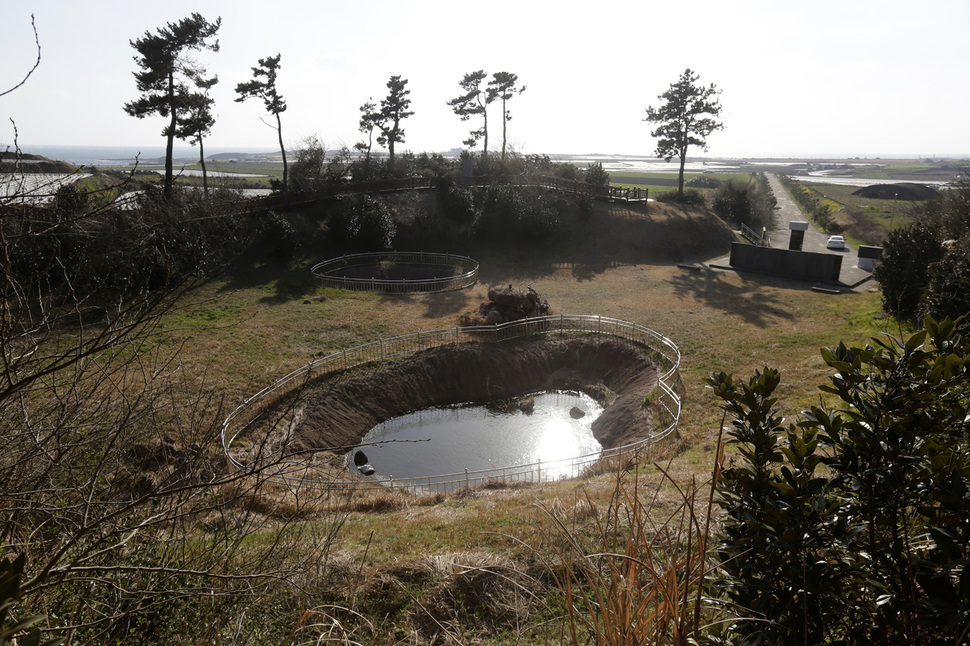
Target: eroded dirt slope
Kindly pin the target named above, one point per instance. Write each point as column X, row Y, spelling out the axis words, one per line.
column 620, row 373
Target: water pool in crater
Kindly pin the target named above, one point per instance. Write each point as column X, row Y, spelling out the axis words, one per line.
column 441, row 441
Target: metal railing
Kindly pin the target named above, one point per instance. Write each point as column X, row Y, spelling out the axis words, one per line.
column 465, row 272
column 754, row 237
column 603, row 191
column 287, row 200
column 242, row 420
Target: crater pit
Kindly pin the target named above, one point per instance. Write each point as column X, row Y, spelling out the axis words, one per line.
column 618, row 374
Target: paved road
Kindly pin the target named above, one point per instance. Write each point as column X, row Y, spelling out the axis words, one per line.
column 814, row 241
column 788, row 211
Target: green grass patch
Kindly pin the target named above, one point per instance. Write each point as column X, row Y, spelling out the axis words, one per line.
column 866, row 220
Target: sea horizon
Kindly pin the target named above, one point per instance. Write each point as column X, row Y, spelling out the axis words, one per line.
column 126, row 155
column 113, row 155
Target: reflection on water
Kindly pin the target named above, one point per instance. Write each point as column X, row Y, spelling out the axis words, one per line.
column 449, row 440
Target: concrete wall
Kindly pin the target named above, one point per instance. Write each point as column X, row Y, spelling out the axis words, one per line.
column 803, row 265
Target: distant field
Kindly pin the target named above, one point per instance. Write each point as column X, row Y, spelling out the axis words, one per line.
column 903, row 170
column 662, row 182
column 865, row 220
column 910, row 172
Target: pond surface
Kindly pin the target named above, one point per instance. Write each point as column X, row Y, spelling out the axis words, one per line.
column 449, row 440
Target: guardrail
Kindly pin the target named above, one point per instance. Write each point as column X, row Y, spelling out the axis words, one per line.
column 466, row 272
column 664, row 351
column 753, row 237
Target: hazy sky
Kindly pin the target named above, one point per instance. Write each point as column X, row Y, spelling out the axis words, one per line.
column 819, row 78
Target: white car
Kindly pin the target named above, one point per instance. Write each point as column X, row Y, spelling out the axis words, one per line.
column 836, row 242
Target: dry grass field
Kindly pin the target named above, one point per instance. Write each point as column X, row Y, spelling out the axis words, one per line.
column 247, row 329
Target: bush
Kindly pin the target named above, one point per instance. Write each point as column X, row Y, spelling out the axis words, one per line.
column 918, row 273
column 750, row 204
column 948, row 289
column 112, row 256
column 903, row 266
column 279, row 238
column 509, row 212
column 499, row 212
column 457, row 203
column 313, row 171
column 853, row 526
column 691, row 197
column 594, row 174
column 704, row 182
column 732, row 205
column 364, row 223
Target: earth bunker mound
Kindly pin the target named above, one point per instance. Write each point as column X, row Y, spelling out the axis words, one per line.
column 619, row 374
column 903, row 191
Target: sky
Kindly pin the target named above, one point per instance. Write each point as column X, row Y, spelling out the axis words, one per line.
column 824, row 78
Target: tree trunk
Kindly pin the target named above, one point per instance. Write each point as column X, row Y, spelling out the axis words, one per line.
column 205, row 176
column 680, row 181
column 504, row 122
column 485, row 131
column 279, row 132
column 391, row 138
column 170, row 143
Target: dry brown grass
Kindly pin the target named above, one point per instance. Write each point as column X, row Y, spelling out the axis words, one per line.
column 249, row 331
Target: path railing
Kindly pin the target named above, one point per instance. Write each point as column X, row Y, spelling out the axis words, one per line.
column 600, row 191
column 754, row 237
column 465, row 272
column 243, row 420
column 603, row 191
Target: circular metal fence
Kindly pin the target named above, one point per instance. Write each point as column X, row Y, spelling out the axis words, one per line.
column 244, row 419
column 457, row 272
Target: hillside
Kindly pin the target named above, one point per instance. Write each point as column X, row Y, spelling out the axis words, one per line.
column 12, row 162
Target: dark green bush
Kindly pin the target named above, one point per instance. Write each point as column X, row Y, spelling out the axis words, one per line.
column 691, row 197
column 853, row 526
column 498, row 211
column 364, row 223
column 948, row 289
column 508, row 213
column 704, row 182
column 457, row 203
column 594, row 174
column 902, row 271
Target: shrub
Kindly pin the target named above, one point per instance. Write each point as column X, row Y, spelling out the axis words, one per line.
column 498, row 213
column 902, row 269
column 948, row 289
column 732, row 205
column 750, row 204
column 457, row 203
column 279, row 238
column 594, row 174
column 365, row 223
column 507, row 212
column 691, row 197
column 704, row 182
column 853, row 526
column 918, row 273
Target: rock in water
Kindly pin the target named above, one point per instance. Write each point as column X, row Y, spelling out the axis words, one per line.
column 576, row 412
column 366, row 469
column 360, row 459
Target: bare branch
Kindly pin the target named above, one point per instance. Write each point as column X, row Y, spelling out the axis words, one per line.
column 36, row 63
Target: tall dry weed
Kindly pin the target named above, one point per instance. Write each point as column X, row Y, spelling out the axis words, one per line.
column 636, row 574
